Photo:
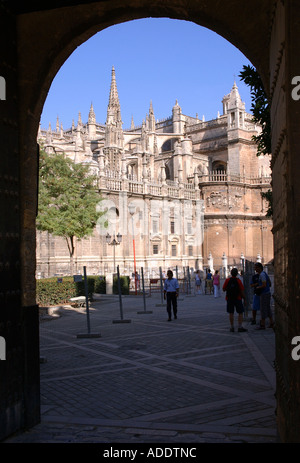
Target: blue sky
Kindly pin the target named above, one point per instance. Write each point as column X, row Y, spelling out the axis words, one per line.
column 158, row 60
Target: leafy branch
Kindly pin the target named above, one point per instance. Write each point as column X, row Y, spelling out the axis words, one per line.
column 260, row 108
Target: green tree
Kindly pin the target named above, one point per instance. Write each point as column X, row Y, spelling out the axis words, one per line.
column 68, row 197
column 269, row 198
column 260, row 108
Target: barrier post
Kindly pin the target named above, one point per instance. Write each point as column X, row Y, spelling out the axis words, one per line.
column 144, row 295
column 120, row 300
column 162, row 304
column 88, row 334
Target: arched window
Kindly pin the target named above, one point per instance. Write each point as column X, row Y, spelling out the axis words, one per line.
column 219, row 166
column 167, row 145
column 168, row 174
column 132, row 171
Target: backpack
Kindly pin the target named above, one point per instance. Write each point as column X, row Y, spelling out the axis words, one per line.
column 232, row 289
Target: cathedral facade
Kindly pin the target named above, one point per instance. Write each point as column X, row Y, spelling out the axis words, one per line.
column 180, row 192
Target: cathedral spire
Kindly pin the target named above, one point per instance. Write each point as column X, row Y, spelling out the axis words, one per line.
column 235, row 98
column 79, row 123
column 233, row 101
column 113, row 110
column 151, row 108
column 113, row 130
column 177, row 118
column 92, row 123
column 92, row 116
column 132, row 123
column 234, row 94
column 151, row 118
column 113, row 97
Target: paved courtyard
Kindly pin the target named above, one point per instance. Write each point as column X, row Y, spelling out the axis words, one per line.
column 145, row 379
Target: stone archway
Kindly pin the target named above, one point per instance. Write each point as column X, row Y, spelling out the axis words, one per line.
column 48, row 37
column 40, row 40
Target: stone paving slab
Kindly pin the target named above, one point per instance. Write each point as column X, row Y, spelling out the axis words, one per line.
column 153, row 381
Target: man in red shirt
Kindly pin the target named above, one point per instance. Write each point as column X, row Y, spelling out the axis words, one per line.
column 235, row 292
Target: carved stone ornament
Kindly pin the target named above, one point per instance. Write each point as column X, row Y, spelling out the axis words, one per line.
column 216, row 199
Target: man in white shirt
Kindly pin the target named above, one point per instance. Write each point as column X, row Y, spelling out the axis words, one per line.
column 171, row 291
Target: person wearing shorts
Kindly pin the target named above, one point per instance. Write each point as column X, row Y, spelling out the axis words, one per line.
column 236, row 302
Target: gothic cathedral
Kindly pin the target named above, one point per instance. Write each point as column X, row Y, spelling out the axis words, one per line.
column 182, row 192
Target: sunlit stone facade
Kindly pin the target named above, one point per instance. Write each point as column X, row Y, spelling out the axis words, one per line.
column 195, row 187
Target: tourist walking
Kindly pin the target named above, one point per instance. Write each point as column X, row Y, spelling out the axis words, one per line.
column 235, row 292
column 171, row 291
column 216, row 284
column 263, row 288
column 256, row 297
column 208, row 281
column 198, row 282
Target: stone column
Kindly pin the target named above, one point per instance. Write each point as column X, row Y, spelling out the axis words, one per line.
column 200, row 262
column 229, row 234
column 224, row 265
column 210, row 262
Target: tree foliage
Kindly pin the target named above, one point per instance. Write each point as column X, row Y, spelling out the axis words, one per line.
column 260, row 108
column 67, row 199
column 268, row 196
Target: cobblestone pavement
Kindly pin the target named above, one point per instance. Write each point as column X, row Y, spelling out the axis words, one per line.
column 137, row 378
